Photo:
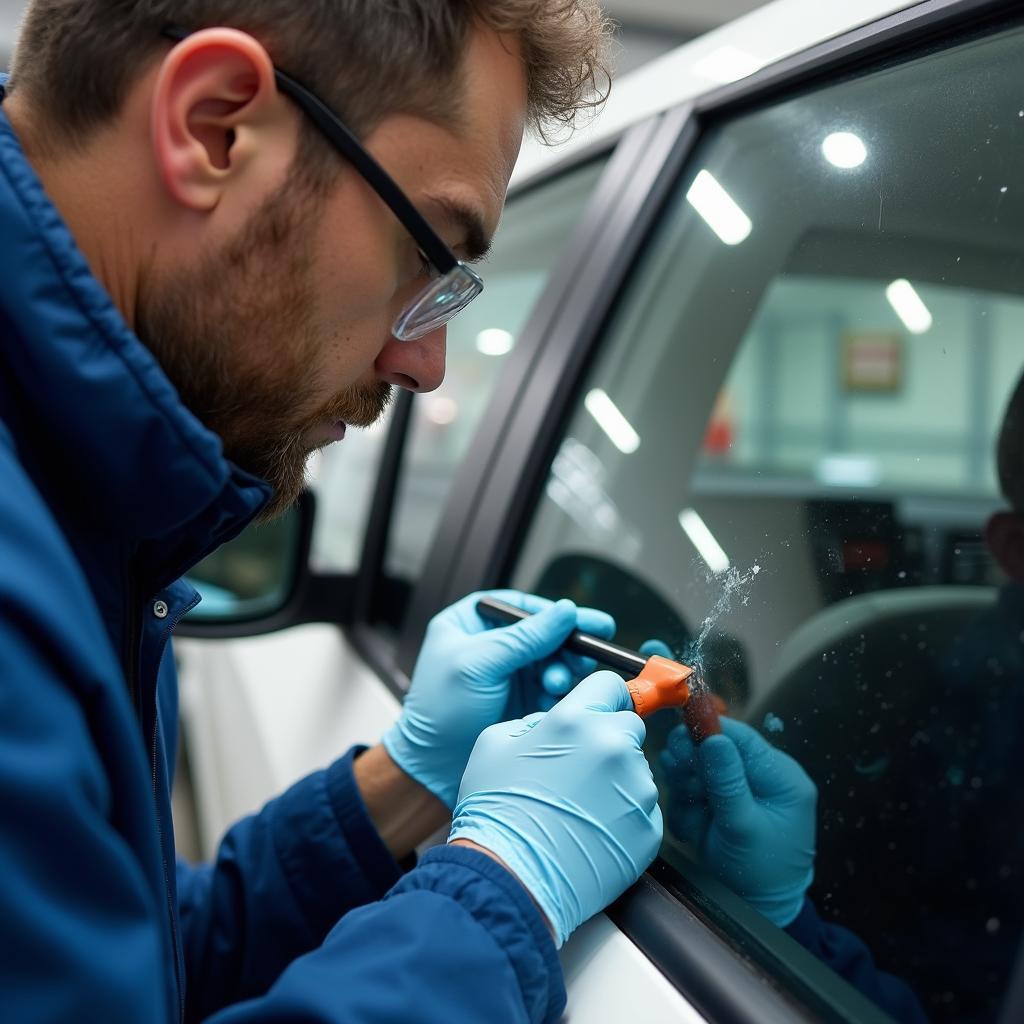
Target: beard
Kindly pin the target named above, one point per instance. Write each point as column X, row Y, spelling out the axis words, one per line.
column 235, row 336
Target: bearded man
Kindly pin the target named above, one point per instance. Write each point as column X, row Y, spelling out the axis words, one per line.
column 232, row 228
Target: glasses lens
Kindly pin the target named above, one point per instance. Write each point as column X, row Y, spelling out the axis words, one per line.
column 438, row 303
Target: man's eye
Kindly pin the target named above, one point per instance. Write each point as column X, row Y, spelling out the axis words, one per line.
column 425, row 266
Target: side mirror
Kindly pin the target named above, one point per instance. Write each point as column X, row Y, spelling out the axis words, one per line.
column 249, row 584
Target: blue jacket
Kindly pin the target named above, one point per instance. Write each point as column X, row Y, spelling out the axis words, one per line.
column 109, row 491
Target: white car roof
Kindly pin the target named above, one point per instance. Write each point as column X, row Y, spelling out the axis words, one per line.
column 729, row 53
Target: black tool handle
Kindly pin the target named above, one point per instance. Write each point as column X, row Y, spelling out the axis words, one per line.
column 622, row 659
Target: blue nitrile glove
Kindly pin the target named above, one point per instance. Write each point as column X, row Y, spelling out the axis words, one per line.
column 749, row 812
column 566, row 799
column 650, row 648
column 470, row 674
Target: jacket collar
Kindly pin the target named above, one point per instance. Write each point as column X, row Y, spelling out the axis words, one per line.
column 93, row 415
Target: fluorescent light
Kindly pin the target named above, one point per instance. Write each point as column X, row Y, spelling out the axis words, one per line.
column 845, row 150
column 703, row 540
column 849, row 471
column 909, row 306
column 442, row 410
column 727, row 64
column 718, row 209
column 612, row 422
column 495, row 342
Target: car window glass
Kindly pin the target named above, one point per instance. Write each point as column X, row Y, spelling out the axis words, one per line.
column 798, row 459
column 526, row 250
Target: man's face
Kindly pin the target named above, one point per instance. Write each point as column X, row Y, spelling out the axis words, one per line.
column 281, row 339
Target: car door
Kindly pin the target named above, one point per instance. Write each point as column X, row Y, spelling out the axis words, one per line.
column 718, row 370
column 779, row 403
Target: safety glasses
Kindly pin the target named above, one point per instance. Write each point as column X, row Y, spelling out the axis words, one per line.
column 454, row 285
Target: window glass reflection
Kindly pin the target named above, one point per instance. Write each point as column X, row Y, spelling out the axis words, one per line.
column 799, row 463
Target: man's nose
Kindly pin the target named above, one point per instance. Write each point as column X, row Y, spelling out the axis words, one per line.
column 414, row 365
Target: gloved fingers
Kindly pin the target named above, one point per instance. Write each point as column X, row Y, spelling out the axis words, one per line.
column 681, row 746
column 579, row 667
column 683, row 778
column 649, row 799
column 725, row 777
column 632, row 725
column 657, row 835
column 651, row 648
column 688, row 822
column 596, row 623
column 769, row 771
column 521, row 726
column 464, row 614
column 557, row 678
column 512, row 648
column 602, row 691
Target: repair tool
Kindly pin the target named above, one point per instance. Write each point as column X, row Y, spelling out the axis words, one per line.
column 654, row 682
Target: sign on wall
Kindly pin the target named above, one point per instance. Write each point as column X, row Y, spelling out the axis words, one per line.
column 873, row 361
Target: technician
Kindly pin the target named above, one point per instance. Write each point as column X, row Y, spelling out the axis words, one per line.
column 206, row 279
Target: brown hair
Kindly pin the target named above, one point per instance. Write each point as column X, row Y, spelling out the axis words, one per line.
column 76, row 59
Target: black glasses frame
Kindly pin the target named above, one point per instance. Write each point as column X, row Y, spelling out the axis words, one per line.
column 429, row 242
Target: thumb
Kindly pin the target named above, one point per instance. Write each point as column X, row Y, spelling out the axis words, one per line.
column 514, row 647
column 603, row 691
column 725, row 776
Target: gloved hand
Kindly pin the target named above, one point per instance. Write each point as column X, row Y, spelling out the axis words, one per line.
column 749, row 812
column 566, row 799
column 470, row 675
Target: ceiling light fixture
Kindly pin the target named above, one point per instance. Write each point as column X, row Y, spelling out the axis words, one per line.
column 612, row 422
column 719, row 210
column 704, row 541
column 495, row 342
column 909, row 306
column 844, row 150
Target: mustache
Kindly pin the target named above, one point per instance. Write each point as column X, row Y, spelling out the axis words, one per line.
column 359, row 407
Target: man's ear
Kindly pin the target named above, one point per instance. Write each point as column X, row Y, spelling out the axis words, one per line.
column 1004, row 535
column 214, row 103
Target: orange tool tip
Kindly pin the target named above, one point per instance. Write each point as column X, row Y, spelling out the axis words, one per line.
column 701, row 715
column 661, row 684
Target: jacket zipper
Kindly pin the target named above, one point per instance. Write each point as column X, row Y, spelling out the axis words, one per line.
column 133, row 670
column 172, row 917
column 179, row 967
